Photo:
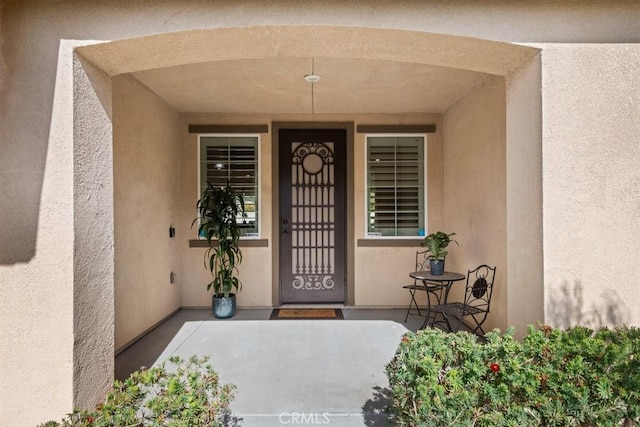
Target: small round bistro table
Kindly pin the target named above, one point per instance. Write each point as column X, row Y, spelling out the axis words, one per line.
column 436, row 287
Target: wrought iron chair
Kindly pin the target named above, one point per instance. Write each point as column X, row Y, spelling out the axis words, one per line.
column 422, row 264
column 477, row 299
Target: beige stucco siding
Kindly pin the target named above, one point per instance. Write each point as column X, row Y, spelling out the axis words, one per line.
column 380, row 272
column 57, row 331
column 474, row 188
column 146, row 145
column 525, row 269
column 579, row 127
column 31, row 336
column 376, row 283
column 255, row 270
column 591, row 103
column 93, row 253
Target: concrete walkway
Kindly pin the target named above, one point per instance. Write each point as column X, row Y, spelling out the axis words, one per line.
column 287, row 372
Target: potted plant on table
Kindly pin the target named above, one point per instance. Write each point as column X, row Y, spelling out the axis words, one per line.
column 218, row 209
column 437, row 244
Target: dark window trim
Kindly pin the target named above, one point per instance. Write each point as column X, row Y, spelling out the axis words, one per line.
column 393, row 129
column 389, row 243
column 245, row 243
column 228, row 128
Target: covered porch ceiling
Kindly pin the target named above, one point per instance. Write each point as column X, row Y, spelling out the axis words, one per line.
column 262, row 69
column 277, row 86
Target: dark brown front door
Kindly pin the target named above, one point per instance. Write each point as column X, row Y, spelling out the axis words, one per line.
column 312, row 215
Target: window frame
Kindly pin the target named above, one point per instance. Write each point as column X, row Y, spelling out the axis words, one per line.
column 258, row 234
column 424, row 136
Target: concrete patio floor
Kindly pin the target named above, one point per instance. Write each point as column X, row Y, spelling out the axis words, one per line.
column 287, row 372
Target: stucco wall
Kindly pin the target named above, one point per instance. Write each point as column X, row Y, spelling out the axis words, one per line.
column 146, row 153
column 31, row 31
column 57, row 329
column 93, row 253
column 591, row 146
column 376, row 283
column 380, row 272
column 28, row 292
column 525, row 268
column 475, row 188
column 37, row 234
column 255, row 270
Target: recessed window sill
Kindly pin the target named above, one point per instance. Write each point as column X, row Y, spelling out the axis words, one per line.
column 243, row 243
column 389, row 243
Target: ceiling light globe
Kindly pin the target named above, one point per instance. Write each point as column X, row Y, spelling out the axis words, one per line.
column 312, row 78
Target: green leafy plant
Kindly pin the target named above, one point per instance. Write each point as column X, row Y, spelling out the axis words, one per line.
column 188, row 394
column 437, row 244
column 552, row 377
column 218, row 209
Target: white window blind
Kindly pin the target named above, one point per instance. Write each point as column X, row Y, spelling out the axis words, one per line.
column 233, row 160
column 396, row 186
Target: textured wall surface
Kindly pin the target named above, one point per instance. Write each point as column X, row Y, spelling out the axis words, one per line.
column 36, row 298
column 475, row 188
column 255, row 269
column 591, row 98
column 376, row 283
column 146, row 145
column 380, row 272
column 525, row 270
column 93, row 253
column 31, row 31
column 590, row 119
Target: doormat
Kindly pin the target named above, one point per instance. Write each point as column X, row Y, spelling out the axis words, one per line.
column 306, row 313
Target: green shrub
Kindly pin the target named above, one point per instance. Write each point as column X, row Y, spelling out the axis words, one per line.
column 552, row 377
column 186, row 394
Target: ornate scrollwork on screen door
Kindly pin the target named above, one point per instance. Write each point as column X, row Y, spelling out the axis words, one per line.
column 313, row 216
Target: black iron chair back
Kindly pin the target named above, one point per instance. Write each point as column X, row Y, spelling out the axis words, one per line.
column 422, row 261
column 477, row 297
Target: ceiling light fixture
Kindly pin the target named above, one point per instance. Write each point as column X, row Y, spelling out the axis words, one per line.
column 312, row 78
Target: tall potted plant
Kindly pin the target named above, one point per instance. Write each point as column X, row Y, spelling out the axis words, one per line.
column 437, row 244
column 218, row 209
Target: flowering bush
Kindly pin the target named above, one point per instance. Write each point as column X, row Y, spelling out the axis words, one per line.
column 189, row 394
column 552, row 377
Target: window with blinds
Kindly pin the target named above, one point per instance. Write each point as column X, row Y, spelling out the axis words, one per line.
column 234, row 160
column 396, row 203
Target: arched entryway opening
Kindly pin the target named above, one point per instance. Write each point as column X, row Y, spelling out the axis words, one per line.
column 480, row 94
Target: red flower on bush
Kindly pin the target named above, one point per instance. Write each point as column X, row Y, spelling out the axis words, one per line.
column 90, row 420
column 405, row 339
column 495, row 367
